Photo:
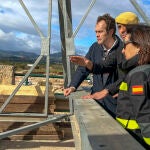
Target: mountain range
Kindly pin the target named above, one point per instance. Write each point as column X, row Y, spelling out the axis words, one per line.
column 30, row 57
column 21, row 56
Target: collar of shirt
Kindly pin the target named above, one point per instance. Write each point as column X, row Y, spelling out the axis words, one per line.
column 108, row 50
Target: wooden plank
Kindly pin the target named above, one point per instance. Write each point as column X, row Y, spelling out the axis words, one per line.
column 62, row 105
column 30, row 108
column 37, row 144
column 32, row 101
column 27, row 99
column 25, row 90
column 98, row 129
column 51, row 131
column 20, row 118
column 35, row 137
column 4, row 126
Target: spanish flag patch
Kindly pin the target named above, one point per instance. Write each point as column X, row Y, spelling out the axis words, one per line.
column 137, row 89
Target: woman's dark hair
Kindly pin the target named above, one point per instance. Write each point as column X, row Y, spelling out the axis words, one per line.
column 140, row 36
column 110, row 22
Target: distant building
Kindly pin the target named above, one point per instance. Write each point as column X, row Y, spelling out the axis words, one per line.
column 29, row 65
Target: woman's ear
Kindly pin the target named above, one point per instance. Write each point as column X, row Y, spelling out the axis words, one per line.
column 137, row 50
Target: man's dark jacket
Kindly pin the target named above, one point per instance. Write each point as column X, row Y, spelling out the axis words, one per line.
column 96, row 55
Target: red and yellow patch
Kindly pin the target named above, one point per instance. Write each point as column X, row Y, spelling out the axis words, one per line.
column 137, row 89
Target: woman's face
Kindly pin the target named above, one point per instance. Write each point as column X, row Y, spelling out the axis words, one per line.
column 130, row 49
column 122, row 30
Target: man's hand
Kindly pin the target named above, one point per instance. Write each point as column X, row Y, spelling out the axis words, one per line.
column 68, row 91
column 82, row 61
column 98, row 95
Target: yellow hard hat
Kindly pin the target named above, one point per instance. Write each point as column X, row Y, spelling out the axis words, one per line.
column 127, row 18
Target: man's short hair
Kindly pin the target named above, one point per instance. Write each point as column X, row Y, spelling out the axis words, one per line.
column 127, row 18
column 110, row 22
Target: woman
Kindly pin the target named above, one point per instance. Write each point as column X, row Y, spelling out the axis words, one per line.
column 133, row 105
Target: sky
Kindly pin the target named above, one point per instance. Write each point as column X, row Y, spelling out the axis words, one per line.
column 18, row 34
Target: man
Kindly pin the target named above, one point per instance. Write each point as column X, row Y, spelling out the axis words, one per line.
column 107, row 42
column 115, row 59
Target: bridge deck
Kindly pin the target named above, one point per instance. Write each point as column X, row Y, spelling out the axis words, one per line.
column 98, row 130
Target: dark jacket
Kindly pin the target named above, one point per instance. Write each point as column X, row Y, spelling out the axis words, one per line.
column 113, row 61
column 133, row 105
column 96, row 54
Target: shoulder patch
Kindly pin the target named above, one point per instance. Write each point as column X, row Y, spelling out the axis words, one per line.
column 137, row 89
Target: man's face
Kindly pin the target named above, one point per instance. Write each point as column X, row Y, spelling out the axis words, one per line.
column 122, row 30
column 101, row 33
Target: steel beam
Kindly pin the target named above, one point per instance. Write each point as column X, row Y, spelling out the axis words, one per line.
column 67, row 42
column 32, row 126
column 141, row 12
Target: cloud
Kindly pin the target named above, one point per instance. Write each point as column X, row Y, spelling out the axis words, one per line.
column 17, row 27
column 17, row 32
column 17, row 42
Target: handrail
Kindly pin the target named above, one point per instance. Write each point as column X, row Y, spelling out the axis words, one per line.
column 95, row 129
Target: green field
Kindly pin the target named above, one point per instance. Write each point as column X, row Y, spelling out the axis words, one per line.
column 40, row 68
